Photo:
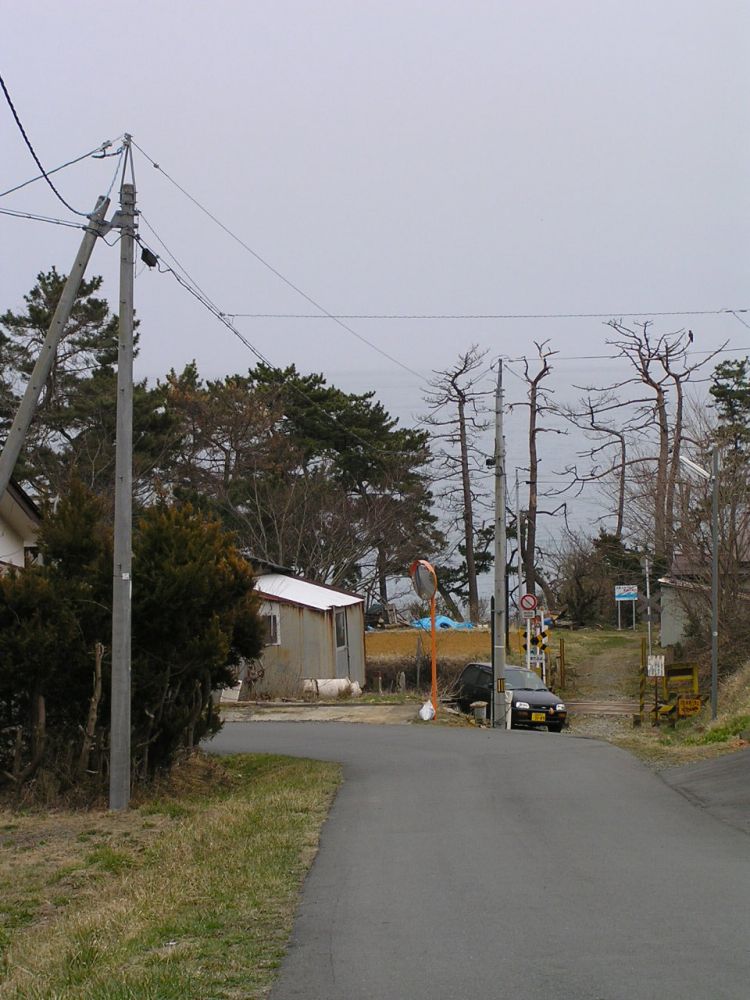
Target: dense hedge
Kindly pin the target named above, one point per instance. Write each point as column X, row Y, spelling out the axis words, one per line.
column 194, row 615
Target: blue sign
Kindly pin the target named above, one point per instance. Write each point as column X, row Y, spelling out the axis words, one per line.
column 623, row 592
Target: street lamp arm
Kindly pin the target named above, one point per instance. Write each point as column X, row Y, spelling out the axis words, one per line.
column 695, row 467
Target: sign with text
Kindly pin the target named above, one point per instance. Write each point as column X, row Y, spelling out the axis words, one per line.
column 625, row 592
column 688, row 706
column 655, row 666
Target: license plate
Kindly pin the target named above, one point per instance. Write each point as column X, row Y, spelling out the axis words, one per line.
column 538, row 717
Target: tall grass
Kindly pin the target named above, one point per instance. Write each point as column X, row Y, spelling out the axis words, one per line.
column 202, row 911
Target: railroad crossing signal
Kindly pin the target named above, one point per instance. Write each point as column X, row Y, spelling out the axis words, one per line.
column 538, row 641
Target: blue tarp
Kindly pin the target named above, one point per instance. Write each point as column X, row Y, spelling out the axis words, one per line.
column 441, row 621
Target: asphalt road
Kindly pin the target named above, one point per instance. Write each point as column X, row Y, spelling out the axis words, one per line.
column 461, row 863
column 721, row 787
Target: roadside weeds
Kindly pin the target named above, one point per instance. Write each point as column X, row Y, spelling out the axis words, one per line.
column 184, row 897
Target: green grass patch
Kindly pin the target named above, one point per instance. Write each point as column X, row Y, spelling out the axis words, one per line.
column 108, row 859
column 723, row 732
column 389, row 699
column 199, row 905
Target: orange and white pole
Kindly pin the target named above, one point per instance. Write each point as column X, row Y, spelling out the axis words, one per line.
column 424, row 579
column 434, row 654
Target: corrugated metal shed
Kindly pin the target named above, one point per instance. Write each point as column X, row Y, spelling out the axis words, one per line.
column 312, row 631
column 303, row 593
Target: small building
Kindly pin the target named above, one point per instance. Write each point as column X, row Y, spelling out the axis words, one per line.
column 674, row 618
column 312, row 631
column 19, row 527
column 683, row 599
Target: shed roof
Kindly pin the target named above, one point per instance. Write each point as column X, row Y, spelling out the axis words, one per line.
column 278, row 587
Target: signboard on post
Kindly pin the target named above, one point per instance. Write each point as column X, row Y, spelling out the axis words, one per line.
column 626, row 592
column 655, row 666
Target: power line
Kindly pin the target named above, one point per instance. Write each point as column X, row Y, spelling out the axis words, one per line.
column 739, row 318
column 119, row 155
column 614, row 357
column 194, row 289
column 325, row 312
column 486, row 316
column 40, row 218
column 340, row 317
column 101, row 148
column 179, row 265
column 38, row 162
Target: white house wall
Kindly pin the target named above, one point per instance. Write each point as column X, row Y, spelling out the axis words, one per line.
column 19, row 526
column 11, row 545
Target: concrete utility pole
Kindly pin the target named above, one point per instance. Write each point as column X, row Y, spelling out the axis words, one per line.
column 46, row 359
column 714, row 581
column 498, row 649
column 519, row 556
column 119, row 775
column 713, row 479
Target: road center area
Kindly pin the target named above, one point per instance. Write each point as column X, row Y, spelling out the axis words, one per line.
column 463, row 863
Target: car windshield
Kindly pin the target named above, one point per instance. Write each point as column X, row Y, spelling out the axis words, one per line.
column 523, row 680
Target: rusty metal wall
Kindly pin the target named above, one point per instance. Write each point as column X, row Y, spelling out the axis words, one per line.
column 307, row 648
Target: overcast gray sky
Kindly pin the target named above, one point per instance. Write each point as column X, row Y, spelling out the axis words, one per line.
column 396, row 157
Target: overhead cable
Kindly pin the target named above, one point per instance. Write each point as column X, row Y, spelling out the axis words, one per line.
column 101, row 149
column 31, row 149
column 119, row 155
column 325, row 312
column 180, row 266
column 41, row 218
column 488, row 316
column 194, row 289
column 739, row 318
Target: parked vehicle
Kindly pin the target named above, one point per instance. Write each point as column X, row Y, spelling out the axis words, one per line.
column 533, row 703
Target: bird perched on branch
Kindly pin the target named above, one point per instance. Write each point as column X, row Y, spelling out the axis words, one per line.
column 690, row 336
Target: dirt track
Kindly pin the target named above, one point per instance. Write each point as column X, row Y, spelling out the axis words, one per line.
column 347, row 712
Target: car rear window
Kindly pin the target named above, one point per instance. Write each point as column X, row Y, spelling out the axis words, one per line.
column 475, row 675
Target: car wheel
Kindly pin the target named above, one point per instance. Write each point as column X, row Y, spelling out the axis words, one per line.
column 554, row 727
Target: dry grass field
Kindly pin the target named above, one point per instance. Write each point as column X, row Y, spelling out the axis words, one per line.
column 399, row 644
column 190, row 894
column 600, row 662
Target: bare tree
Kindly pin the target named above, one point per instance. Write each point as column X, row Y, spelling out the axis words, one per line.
column 637, row 436
column 606, row 458
column 457, row 414
column 540, row 404
column 691, row 574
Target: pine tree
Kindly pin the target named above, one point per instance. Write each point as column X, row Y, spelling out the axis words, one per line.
column 72, row 434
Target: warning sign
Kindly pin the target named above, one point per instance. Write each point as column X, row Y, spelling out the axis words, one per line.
column 655, row 666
